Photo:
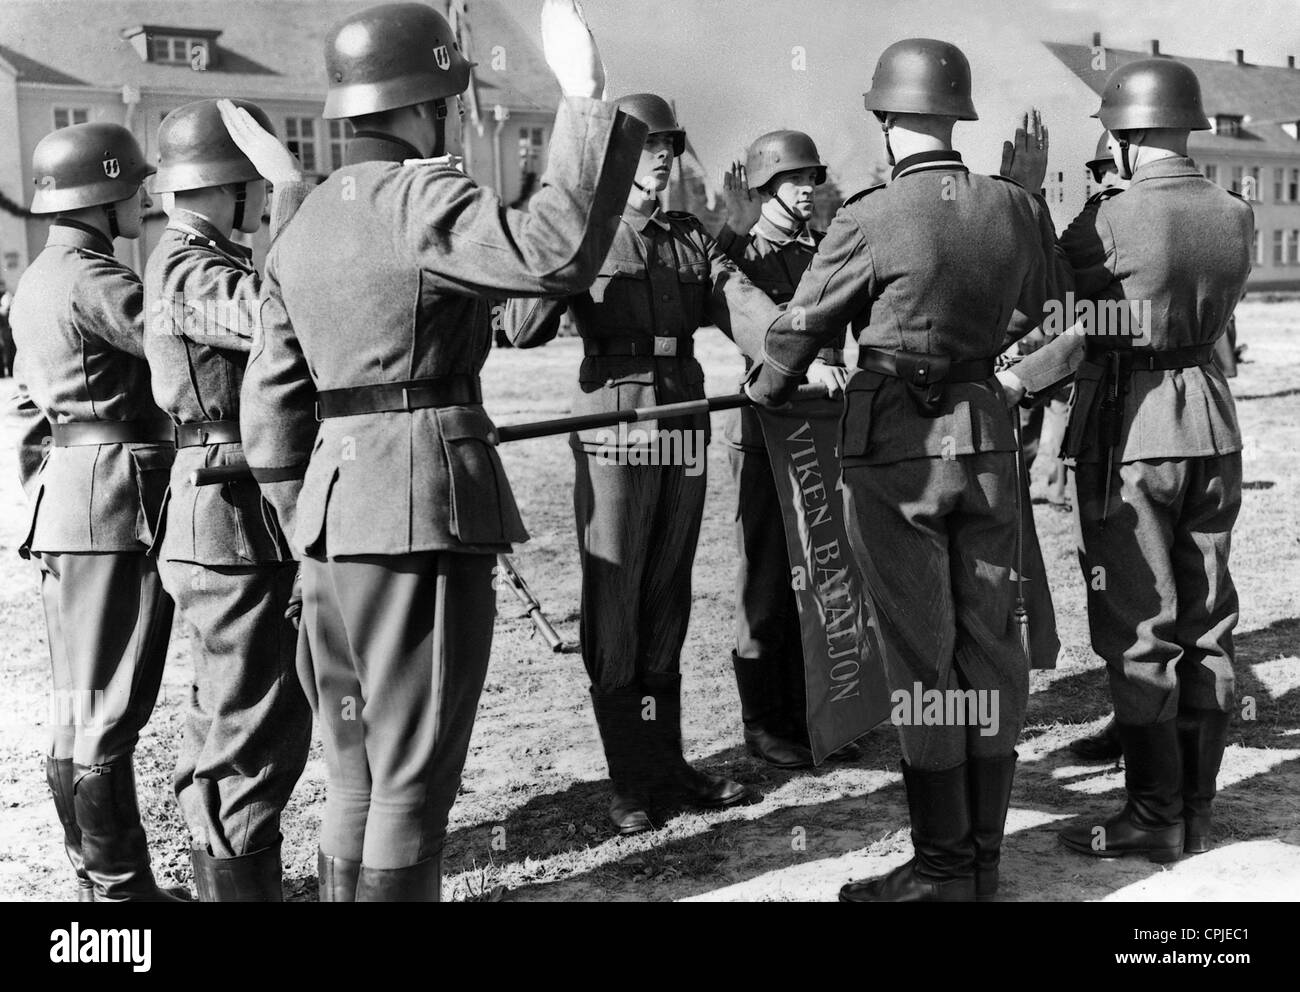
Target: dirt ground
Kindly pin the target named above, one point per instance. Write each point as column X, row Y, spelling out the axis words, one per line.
column 529, row 824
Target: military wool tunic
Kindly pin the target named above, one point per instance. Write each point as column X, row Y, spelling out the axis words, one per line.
column 664, row 278
column 78, row 318
column 203, row 299
column 1174, row 246
column 385, row 276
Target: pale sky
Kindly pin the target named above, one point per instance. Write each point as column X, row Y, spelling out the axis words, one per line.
column 727, row 63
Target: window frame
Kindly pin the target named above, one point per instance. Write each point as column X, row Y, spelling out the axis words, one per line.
column 297, row 143
column 72, row 113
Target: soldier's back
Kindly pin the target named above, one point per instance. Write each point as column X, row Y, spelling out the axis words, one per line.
column 951, row 253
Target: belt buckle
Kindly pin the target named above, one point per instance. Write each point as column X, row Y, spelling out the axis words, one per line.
column 665, row 347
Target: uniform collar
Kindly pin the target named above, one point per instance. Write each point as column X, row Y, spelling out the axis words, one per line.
column 74, row 234
column 943, row 159
column 640, row 221
column 374, row 146
column 188, row 222
column 770, row 231
column 1166, row 168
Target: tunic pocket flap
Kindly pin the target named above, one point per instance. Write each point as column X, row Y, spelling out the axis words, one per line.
column 465, row 425
column 855, row 425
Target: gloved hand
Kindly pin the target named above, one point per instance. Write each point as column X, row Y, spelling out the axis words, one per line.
column 293, row 612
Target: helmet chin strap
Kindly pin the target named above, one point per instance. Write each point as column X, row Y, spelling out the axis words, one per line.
column 799, row 222
column 885, row 127
column 241, row 200
column 110, row 211
column 440, row 129
column 1125, row 166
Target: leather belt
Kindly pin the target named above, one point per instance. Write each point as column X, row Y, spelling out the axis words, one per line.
column 921, row 369
column 90, row 432
column 1145, row 360
column 640, row 347
column 385, row 397
column 207, row 432
column 832, row 356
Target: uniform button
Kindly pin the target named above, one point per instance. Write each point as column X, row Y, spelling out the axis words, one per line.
column 609, row 382
column 665, row 296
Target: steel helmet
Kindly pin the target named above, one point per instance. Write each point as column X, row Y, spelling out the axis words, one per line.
column 196, row 151
column 657, row 115
column 1101, row 157
column 389, row 56
column 781, row 151
column 86, row 165
column 922, row 76
column 1152, row 93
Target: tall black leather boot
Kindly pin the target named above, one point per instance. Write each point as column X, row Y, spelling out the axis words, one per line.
column 1203, row 735
column 1151, row 822
column 990, row 781
column 1104, row 745
column 676, row 776
column 942, row 868
column 336, row 878
column 59, row 775
column 112, row 838
column 760, row 682
column 417, row 883
column 629, row 752
column 253, row 877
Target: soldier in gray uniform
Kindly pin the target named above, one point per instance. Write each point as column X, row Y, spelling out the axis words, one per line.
column 1153, row 430
column 97, row 499
column 773, row 247
column 638, row 519
column 938, row 272
column 375, row 324
column 248, row 725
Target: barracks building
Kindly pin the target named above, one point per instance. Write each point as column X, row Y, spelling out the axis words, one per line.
column 1254, row 148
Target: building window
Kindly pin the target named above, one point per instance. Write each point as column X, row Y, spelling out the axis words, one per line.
column 1279, row 249
column 1279, row 185
column 1238, row 178
column 300, row 138
column 1293, row 248
column 1212, row 173
column 1293, row 187
column 337, row 134
column 168, row 49
column 1259, row 247
column 64, row 116
column 1228, row 125
column 532, row 142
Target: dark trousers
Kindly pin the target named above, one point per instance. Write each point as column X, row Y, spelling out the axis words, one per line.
column 1161, row 602
column 109, row 621
column 397, row 652
column 936, row 538
column 638, row 526
column 767, row 615
column 248, row 725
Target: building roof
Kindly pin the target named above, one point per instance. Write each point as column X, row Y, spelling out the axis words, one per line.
column 265, row 48
column 1265, row 96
